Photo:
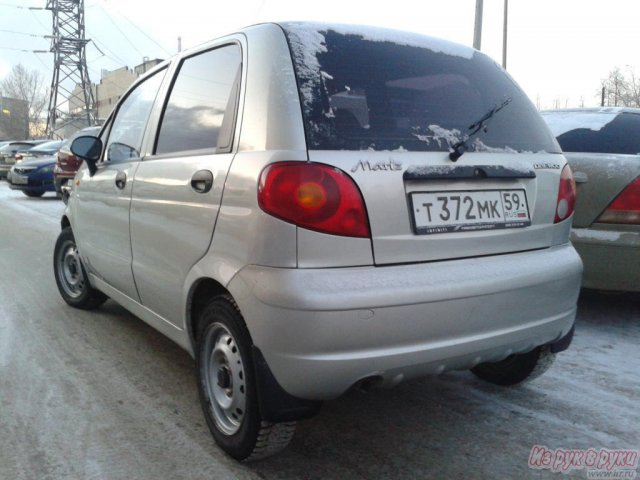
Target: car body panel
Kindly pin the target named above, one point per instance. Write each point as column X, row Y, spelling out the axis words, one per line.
column 611, row 255
column 600, row 177
column 171, row 227
column 386, row 192
column 105, row 238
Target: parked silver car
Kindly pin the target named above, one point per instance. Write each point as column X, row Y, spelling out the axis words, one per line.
column 308, row 208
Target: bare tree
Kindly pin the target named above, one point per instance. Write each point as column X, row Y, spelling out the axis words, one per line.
column 633, row 90
column 621, row 90
column 27, row 85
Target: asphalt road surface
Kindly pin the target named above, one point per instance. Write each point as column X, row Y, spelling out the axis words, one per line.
column 101, row 395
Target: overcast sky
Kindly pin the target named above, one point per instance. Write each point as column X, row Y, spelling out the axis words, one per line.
column 559, row 50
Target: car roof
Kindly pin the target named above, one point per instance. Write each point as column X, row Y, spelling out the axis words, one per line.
column 609, row 110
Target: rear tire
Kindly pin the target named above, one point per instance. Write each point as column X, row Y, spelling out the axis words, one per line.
column 516, row 368
column 71, row 276
column 33, row 193
column 227, row 386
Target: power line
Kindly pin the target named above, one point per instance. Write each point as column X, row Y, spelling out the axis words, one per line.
column 47, row 67
column 123, row 34
column 97, row 44
column 137, row 28
column 21, row 7
column 17, row 49
column 24, row 33
column 38, row 20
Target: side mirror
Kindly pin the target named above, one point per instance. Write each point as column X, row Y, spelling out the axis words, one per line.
column 88, row 149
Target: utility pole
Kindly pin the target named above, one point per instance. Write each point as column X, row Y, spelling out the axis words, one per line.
column 69, row 68
column 477, row 30
column 504, row 35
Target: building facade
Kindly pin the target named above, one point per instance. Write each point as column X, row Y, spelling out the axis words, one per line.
column 113, row 84
column 14, row 119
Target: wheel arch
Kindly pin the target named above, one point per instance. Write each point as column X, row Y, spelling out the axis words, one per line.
column 201, row 291
column 64, row 222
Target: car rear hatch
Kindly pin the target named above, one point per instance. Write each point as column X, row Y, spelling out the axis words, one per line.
column 389, row 108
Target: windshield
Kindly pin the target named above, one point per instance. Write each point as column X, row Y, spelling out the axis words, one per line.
column 361, row 91
column 47, row 146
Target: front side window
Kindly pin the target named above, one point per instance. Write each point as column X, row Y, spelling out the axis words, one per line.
column 201, row 96
column 130, row 122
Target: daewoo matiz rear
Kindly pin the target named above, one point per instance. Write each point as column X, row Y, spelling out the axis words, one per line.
column 308, row 208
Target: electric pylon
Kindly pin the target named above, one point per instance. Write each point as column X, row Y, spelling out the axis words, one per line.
column 70, row 85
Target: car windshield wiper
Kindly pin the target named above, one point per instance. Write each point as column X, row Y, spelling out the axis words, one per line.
column 460, row 147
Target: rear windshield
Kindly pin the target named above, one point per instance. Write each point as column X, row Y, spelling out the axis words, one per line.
column 381, row 90
column 596, row 132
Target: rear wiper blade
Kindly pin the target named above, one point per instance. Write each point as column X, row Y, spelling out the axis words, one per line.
column 460, row 147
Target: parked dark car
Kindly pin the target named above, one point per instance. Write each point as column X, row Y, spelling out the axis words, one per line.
column 46, row 149
column 33, row 177
column 67, row 164
column 602, row 145
column 8, row 151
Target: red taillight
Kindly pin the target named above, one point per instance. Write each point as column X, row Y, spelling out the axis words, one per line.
column 626, row 207
column 313, row 196
column 566, row 195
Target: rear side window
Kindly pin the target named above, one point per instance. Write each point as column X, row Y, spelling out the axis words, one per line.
column 596, row 132
column 379, row 90
column 199, row 101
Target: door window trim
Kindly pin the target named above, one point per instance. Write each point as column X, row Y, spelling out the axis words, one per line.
column 231, row 110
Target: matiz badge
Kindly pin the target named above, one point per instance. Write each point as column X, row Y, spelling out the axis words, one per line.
column 365, row 165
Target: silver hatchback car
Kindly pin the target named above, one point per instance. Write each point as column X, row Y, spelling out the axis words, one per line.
column 308, row 208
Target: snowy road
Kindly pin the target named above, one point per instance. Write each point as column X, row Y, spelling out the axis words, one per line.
column 101, row 395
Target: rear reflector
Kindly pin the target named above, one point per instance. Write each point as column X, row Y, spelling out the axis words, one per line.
column 566, row 195
column 626, row 207
column 314, row 196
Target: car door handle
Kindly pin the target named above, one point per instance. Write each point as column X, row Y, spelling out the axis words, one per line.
column 202, row 181
column 121, row 180
column 580, row 177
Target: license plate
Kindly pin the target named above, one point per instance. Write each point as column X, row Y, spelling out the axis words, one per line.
column 18, row 180
column 459, row 211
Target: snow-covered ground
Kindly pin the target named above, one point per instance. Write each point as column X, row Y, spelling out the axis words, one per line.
column 101, row 395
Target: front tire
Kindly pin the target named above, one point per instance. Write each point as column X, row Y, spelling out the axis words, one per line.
column 71, row 276
column 516, row 368
column 33, row 193
column 227, row 385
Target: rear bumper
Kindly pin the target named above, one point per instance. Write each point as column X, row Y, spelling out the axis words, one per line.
column 322, row 330
column 611, row 257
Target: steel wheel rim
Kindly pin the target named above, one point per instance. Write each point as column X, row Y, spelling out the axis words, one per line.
column 224, row 379
column 70, row 270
